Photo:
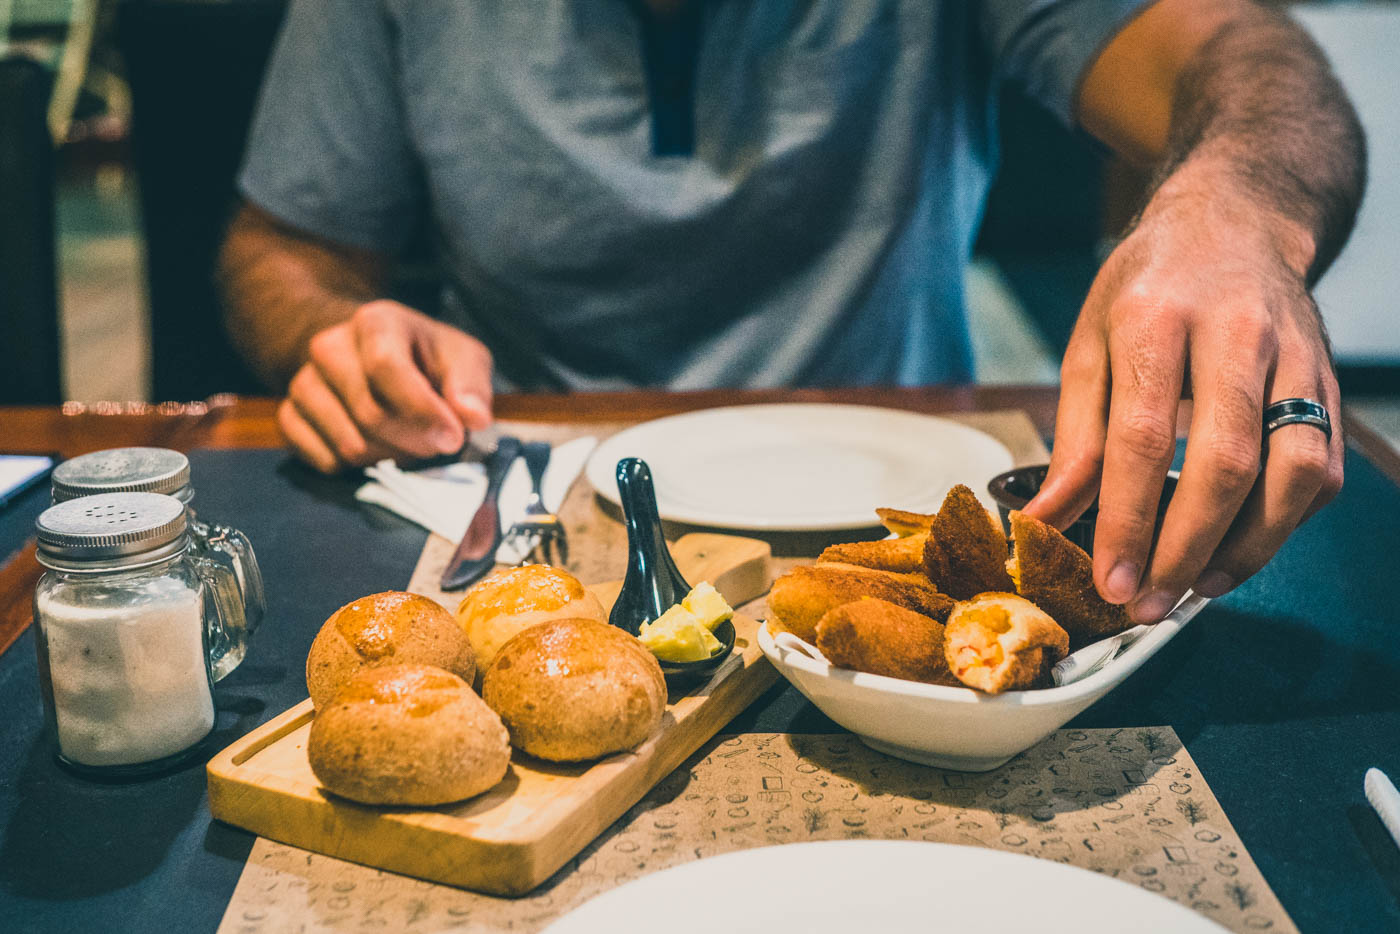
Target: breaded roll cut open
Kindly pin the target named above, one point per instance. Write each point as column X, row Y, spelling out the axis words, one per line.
column 1001, row 642
column 801, row 597
column 883, row 639
column 1058, row 576
column 901, row 555
column 966, row 549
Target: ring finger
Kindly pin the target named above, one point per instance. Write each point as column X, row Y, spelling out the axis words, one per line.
column 1229, row 380
column 1296, row 462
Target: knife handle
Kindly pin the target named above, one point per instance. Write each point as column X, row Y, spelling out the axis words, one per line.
column 483, row 535
column 484, row 532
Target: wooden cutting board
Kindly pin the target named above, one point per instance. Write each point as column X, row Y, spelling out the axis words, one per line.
column 509, row 840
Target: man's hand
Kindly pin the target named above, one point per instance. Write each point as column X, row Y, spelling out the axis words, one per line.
column 388, row 382
column 1207, row 296
column 1260, row 167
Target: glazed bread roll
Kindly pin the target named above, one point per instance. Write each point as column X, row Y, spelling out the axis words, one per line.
column 1002, row 642
column 575, row 689
column 801, row 597
column 881, row 638
column 515, row 599
column 408, row 734
column 392, row 628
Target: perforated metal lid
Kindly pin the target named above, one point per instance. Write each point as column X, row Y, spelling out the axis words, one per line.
column 115, row 529
column 121, row 470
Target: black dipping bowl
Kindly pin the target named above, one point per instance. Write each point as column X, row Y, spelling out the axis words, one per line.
column 1015, row 488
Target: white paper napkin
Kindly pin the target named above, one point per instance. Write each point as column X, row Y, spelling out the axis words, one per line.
column 443, row 499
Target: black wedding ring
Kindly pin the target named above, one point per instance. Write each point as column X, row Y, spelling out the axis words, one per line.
column 1297, row 412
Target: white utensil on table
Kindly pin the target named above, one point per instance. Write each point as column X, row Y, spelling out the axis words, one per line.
column 1380, row 791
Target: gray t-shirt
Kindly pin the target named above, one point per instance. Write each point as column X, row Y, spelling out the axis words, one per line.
column 808, row 224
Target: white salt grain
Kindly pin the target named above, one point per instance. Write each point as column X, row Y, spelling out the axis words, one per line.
column 129, row 681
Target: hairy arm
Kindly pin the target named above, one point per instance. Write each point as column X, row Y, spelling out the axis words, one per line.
column 1229, row 92
column 366, row 378
column 1260, row 164
column 282, row 287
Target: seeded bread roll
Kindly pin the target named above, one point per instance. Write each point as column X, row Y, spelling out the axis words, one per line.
column 408, row 734
column 575, row 689
column 515, row 599
column 392, row 628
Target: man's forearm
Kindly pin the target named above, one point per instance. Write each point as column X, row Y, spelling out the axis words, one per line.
column 280, row 289
column 1258, row 108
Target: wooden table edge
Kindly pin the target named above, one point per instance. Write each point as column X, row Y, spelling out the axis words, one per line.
column 228, row 422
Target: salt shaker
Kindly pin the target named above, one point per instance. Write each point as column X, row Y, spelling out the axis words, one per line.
column 127, row 630
column 160, row 470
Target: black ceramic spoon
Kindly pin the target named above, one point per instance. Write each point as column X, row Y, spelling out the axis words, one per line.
column 653, row 583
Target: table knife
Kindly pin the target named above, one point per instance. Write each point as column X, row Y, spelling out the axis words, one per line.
column 476, row 553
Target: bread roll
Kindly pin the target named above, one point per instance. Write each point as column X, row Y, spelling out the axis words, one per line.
column 1001, row 642
column 408, row 734
column 575, row 689
column 392, row 628
column 515, row 599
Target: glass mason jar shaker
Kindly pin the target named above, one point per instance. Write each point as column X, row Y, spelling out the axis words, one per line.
column 161, row 470
column 127, row 625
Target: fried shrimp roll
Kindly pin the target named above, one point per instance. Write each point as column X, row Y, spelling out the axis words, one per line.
column 881, row 638
column 1001, row 642
column 902, row 555
column 1058, row 576
column 904, row 523
column 801, row 597
column 966, row 550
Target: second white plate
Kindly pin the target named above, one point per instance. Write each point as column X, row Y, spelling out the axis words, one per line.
column 857, row 886
column 800, row 467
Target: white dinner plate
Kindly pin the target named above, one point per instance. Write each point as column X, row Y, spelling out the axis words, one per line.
column 800, row 467
column 863, row 886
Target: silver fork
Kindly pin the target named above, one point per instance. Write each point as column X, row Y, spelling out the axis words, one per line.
column 551, row 541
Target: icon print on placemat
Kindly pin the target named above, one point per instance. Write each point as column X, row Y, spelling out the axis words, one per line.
column 1127, row 803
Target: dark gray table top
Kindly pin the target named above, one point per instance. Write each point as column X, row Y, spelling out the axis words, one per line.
column 1284, row 692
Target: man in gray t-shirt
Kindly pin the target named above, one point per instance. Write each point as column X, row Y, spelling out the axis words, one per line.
column 695, row 193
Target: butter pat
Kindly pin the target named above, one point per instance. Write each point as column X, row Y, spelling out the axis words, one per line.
column 678, row 635
column 706, row 605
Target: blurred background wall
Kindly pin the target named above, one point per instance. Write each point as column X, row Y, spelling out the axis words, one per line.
column 122, row 123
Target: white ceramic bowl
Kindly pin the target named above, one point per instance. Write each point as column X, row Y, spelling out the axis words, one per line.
column 958, row 728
